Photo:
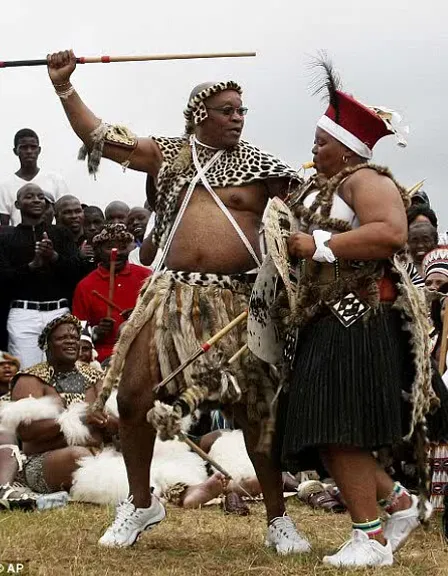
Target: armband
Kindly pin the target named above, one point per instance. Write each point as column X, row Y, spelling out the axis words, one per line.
column 114, row 135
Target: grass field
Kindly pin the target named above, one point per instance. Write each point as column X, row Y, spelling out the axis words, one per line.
column 194, row 543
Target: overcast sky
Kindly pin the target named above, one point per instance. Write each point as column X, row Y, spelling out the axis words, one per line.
column 391, row 53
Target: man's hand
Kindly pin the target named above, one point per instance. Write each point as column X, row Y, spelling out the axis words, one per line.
column 301, row 245
column 87, row 250
column 37, row 261
column 104, row 327
column 96, row 419
column 61, row 66
column 45, row 250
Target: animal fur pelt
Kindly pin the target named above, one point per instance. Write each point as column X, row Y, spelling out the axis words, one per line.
column 76, row 433
column 229, row 450
column 27, row 410
column 102, row 479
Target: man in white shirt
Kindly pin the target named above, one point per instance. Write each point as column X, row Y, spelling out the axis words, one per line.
column 27, row 149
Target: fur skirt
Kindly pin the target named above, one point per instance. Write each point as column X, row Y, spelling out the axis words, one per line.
column 184, row 310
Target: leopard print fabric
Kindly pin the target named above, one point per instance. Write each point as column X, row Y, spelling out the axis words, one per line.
column 196, row 109
column 45, row 372
column 237, row 166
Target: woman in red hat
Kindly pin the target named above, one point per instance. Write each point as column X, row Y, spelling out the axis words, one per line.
column 353, row 358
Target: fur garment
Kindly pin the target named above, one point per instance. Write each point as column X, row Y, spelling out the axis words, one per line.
column 229, row 451
column 27, row 410
column 76, row 433
column 102, row 479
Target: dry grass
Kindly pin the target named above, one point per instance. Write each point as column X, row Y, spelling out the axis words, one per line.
column 194, row 543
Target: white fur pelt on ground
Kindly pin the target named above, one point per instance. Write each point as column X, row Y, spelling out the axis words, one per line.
column 229, row 450
column 102, row 479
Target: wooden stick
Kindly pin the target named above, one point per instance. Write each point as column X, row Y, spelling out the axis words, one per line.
column 207, row 458
column 104, row 299
column 237, row 354
column 444, row 346
column 136, row 58
column 113, row 262
column 205, row 347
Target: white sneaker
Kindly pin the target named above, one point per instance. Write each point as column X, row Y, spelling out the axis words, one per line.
column 130, row 522
column 283, row 536
column 399, row 525
column 361, row 551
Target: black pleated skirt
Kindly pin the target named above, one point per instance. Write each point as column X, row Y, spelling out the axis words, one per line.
column 345, row 388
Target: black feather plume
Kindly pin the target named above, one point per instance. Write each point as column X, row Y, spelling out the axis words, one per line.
column 325, row 79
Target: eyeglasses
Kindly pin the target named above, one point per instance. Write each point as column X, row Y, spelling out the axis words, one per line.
column 230, row 110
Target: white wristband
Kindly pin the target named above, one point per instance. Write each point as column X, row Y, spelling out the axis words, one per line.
column 323, row 252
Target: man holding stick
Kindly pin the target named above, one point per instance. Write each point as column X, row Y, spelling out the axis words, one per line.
column 212, row 189
column 112, row 287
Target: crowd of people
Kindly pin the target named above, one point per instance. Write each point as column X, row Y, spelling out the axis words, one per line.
column 89, row 327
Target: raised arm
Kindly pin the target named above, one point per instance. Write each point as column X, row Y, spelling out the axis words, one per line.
column 145, row 156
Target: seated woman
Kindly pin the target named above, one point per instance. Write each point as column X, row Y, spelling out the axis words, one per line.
column 49, row 410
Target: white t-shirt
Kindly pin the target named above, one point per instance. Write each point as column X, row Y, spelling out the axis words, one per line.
column 48, row 181
column 134, row 255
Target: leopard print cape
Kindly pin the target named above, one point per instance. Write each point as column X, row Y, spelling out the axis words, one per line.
column 45, row 372
column 238, row 166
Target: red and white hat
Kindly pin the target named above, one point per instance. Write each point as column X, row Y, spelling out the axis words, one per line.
column 357, row 126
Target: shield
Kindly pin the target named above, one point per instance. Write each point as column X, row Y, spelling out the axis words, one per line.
column 263, row 334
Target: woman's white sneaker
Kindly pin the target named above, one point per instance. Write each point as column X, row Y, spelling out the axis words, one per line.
column 283, row 536
column 361, row 551
column 401, row 524
column 130, row 522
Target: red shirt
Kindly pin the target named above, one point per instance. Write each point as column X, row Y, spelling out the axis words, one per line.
column 87, row 306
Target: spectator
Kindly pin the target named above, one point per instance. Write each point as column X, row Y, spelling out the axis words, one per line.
column 39, row 266
column 136, row 223
column 27, row 149
column 421, row 213
column 435, row 268
column 128, row 282
column 93, row 222
column 49, row 208
column 69, row 213
column 11, row 494
column 422, row 238
column 55, row 428
column 420, row 198
column 87, row 352
column 9, row 366
column 116, row 212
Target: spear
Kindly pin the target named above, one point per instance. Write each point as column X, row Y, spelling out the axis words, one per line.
column 203, row 348
column 135, row 58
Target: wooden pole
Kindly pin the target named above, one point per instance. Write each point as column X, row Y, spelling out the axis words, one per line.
column 195, row 448
column 113, row 261
column 135, row 58
column 109, row 302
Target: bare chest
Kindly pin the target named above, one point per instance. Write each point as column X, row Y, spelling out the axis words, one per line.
column 250, row 198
